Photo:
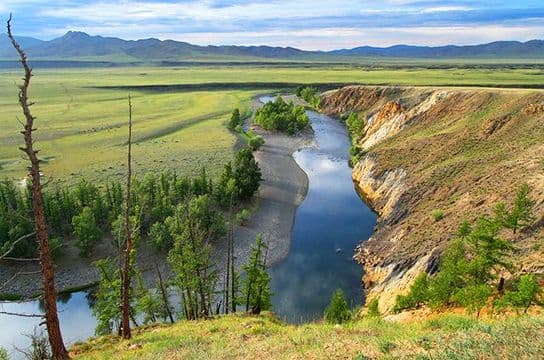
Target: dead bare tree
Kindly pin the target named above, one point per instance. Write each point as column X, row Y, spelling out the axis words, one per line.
column 58, row 349
column 125, row 272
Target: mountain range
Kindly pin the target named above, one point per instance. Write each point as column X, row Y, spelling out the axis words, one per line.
column 79, row 45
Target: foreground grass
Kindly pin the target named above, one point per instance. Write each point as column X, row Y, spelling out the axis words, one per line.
column 264, row 337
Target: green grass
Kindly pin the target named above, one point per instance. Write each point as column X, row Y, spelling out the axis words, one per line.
column 237, row 336
column 82, row 123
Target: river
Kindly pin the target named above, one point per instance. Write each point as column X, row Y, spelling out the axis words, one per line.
column 328, row 225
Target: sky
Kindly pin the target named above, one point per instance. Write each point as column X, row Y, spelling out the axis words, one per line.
column 305, row 24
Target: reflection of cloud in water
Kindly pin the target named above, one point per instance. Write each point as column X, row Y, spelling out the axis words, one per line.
column 331, row 217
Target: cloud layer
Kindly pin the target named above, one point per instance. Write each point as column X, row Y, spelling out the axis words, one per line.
column 307, row 24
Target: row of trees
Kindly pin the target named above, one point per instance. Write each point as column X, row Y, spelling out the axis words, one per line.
column 279, row 115
column 471, row 267
column 87, row 212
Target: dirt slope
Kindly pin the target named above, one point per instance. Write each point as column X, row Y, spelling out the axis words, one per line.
column 457, row 150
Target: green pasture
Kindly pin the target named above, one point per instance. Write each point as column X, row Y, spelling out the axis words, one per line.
column 82, row 113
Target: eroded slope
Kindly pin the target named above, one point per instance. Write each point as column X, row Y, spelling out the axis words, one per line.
column 457, row 150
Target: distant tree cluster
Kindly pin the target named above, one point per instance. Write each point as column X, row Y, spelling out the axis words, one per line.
column 280, row 115
column 310, row 94
column 469, row 268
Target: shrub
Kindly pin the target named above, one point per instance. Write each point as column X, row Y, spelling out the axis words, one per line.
column 338, row 311
column 235, row 120
column 418, row 295
column 255, row 142
column 355, row 126
column 243, row 216
column 527, row 293
column 473, row 297
column 3, row 354
column 437, row 214
column 373, row 308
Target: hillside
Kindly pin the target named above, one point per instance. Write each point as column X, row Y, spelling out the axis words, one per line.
column 79, row 45
column 458, row 151
column 264, row 337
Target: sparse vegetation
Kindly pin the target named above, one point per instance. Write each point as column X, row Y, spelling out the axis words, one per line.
column 437, row 214
column 470, row 266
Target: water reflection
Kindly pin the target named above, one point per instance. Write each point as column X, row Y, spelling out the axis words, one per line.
column 331, row 221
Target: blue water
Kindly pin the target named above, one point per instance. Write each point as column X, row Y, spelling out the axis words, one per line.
column 329, row 224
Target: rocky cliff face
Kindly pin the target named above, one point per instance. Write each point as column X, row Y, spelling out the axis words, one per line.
column 460, row 151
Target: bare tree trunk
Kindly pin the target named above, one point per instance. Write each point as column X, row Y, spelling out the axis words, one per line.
column 231, row 244
column 48, row 274
column 164, row 295
column 125, row 273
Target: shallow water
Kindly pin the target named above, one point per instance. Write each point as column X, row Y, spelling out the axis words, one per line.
column 328, row 225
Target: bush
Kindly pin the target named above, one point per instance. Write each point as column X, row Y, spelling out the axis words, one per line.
column 473, row 297
column 338, row 311
column 243, row 216
column 309, row 94
column 255, row 142
column 437, row 214
column 373, row 308
column 235, row 120
column 527, row 293
column 282, row 116
column 418, row 295
column 355, row 126
column 3, row 354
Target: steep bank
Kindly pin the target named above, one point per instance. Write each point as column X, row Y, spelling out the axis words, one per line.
column 457, row 150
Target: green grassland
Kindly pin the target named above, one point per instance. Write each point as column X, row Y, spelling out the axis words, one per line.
column 82, row 113
column 444, row 336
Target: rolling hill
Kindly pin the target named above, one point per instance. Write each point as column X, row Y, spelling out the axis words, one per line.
column 79, row 45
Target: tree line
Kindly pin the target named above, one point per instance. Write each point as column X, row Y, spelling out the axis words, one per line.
column 87, row 212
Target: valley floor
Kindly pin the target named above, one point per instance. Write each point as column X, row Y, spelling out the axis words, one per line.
column 445, row 336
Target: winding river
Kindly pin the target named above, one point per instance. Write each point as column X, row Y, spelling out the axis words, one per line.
column 328, row 225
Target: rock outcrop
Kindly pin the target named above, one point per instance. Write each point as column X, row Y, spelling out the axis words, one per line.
column 457, row 150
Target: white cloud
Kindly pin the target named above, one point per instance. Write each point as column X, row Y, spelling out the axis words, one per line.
column 439, row 9
column 201, row 10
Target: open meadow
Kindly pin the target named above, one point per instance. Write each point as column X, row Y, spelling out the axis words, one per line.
column 179, row 113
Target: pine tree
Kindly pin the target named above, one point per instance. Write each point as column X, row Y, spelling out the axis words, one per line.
column 521, row 214
column 256, row 284
column 338, row 311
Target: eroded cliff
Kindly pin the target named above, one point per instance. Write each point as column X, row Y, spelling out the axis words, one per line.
column 457, row 150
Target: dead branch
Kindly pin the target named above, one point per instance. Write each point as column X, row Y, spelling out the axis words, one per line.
column 12, row 247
